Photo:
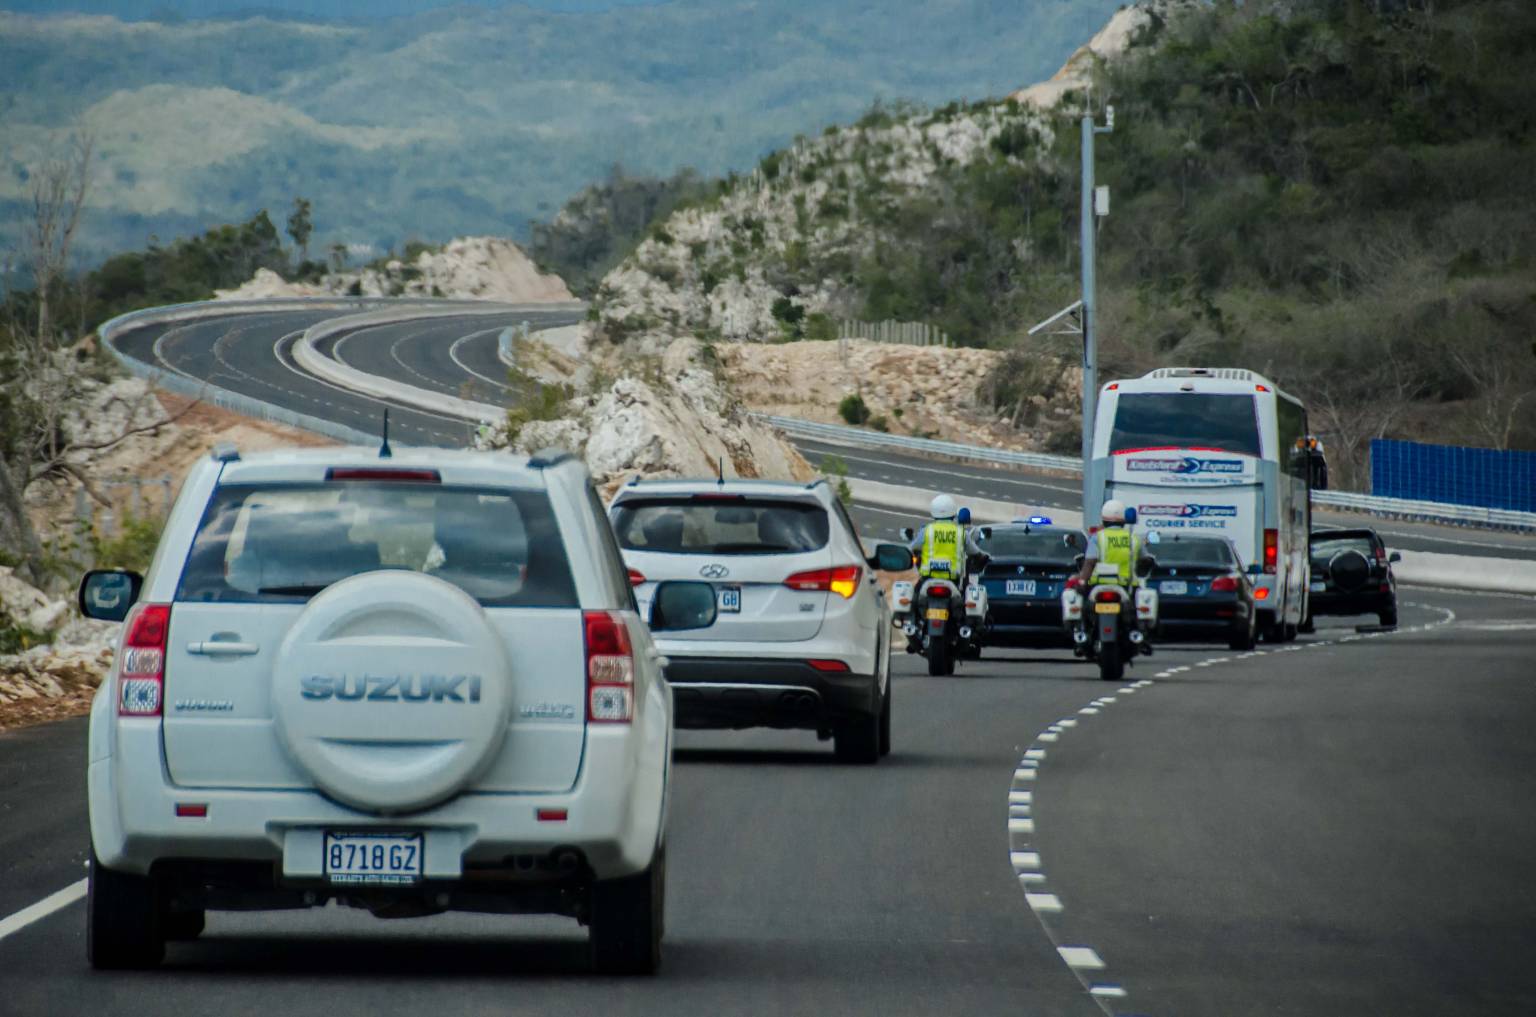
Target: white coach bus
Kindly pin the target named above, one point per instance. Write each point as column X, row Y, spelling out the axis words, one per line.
column 1220, row 451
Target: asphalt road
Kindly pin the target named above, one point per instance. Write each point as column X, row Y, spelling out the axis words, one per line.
column 1341, row 828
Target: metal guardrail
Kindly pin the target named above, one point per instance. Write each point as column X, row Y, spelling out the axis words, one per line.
column 1402, row 508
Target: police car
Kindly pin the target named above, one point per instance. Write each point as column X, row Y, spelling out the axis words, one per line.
column 1030, row 561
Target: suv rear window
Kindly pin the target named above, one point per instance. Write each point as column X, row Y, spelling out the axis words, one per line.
column 1175, row 420
column 1325, row 547
column 738, row 526
column 285, row 543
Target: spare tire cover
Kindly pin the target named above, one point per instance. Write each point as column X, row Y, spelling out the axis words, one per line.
column 1349, row 570
column 392, row 690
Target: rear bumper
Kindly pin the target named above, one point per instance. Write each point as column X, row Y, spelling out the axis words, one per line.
column 615, row 814
column 1364, row 602
column 736, row 693
column 1036, row 623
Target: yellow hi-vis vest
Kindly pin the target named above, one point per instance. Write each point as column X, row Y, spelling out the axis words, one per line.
column 1117, row 547
column 941, row 551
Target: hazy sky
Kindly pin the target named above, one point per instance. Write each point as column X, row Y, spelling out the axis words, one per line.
column 133, row 9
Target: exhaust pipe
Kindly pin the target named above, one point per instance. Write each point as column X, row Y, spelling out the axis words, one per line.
column 566, row 859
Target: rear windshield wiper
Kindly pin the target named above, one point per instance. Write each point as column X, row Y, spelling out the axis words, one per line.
column 293, row 591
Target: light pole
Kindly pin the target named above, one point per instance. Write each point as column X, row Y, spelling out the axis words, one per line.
column 1094, row 205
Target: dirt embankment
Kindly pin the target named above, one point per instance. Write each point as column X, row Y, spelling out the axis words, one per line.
column 926, row 391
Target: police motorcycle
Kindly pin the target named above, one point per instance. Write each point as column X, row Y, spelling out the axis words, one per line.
column 1110, row 623
column 941, row 615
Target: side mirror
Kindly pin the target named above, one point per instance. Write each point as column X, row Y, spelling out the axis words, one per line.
column 891, row 558
column 985, row 533
column 907, row 533
column 1144, row 565
column 107, row 594
column 679, row 606
column 1076, row 542
column 1318, row 467
column 1394, row 557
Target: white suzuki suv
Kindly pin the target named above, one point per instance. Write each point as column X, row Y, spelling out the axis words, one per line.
column 410, row 684
column 802, row 635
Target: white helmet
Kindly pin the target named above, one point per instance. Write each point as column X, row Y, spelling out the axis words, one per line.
column 943, row 507
column 1113, row 511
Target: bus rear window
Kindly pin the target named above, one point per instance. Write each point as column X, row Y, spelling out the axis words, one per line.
column 1178, row 420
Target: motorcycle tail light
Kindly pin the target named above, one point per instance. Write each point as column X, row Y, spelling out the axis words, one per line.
column 1105, row 596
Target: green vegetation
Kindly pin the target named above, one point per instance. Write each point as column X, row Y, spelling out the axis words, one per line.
column 131, row 547
column 853, row 409
column 835, row 469
column 602, row 225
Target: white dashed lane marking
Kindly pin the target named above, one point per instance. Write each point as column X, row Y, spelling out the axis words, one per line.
column 42, row 909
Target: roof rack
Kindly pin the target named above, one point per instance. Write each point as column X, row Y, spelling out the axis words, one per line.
column 547, row 457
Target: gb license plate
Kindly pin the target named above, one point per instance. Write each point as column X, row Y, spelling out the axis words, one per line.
column 374, row 859
column 1021, row 588
column 938, row 614
column 1173, row 586
column 730, row 599
column 1113, row 607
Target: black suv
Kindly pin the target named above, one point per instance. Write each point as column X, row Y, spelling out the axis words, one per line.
column 1352, row 574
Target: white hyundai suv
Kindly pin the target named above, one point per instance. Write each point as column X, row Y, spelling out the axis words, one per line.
column 410, row 684
column 802, row 636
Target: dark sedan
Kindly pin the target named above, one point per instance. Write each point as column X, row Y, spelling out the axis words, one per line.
column 1352, row 574
column 1202, row 591
column 1027, row 569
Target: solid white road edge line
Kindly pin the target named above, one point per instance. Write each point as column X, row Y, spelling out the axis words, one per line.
column 42, row 909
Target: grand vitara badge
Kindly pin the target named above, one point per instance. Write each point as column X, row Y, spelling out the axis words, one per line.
column 376, row 688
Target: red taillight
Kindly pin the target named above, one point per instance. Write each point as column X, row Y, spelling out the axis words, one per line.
column 1224, row 584
column 552, row 815
column 191, row 810
column 829, row 666
column 842, row 580
column 1261, row 593
column 636, row 577
column 396, row 474
column 1112, row 386
column 1105, row 596
column 1271, row 550
column 141, row 678
column 1381, row 555
column 941, row 590
column 610, row 668
column 1261, row 388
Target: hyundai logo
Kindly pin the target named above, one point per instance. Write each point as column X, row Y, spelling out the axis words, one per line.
column 714, row 571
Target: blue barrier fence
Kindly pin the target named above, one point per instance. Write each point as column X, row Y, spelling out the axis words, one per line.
column 1453, row 474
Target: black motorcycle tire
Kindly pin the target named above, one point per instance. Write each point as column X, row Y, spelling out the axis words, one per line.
column 1111, row 663
column 940, row 662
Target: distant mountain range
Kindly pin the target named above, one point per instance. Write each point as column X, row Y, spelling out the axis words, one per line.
column 471, row 120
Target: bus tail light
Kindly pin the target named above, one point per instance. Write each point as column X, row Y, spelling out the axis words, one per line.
column 141, row 679
column 1271, row 550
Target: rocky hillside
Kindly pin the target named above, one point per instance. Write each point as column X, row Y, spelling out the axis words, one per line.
column 470, row 268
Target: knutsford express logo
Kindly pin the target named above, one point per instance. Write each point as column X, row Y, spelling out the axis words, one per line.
column 1186, row 511
column 1184, row 465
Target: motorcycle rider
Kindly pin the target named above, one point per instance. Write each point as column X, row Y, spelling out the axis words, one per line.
column 1114, row 544
column 941, row 545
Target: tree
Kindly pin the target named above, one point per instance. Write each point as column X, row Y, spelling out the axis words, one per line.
column 57, row 192
column 300, row 226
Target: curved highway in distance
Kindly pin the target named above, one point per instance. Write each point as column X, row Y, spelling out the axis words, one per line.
column 1337, row 826
column 456, row 355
